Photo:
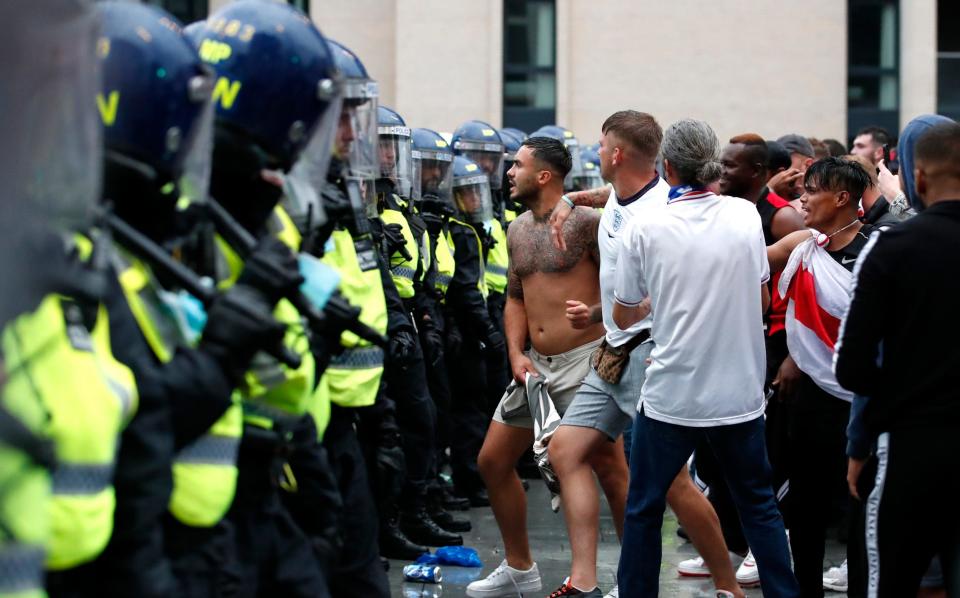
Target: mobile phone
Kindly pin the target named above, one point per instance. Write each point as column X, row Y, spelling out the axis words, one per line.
column 890, row 159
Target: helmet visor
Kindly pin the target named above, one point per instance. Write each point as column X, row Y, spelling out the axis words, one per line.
column 51, row 147
column 435, row 175
column 198, row 150
column 490, row 162
column 396, row 160
column 356, row 141
column 590, row 179
column 473, row 198
column 303, row 184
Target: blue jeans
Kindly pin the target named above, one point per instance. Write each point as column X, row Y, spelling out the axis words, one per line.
column 658, row 452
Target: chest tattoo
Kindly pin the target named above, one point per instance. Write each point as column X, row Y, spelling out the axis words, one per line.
column 531, row 249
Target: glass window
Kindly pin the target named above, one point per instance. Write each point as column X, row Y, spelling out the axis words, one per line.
column 948, row 58
column 873, row 73
column 187, row 11
column 529, row 63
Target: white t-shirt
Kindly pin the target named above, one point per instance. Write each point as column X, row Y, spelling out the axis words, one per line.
column 701, row 260
column 613, row 223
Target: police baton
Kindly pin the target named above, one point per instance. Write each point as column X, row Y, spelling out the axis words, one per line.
column 337, row 311
column 159, row 260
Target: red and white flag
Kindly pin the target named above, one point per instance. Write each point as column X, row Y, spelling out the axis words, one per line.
column 817, row 289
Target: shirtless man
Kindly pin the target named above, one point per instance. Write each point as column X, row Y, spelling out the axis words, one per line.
column 541, row 277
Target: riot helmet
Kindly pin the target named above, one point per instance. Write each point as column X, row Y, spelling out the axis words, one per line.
column 355, row 143
column 480, row 143
column 395, row 152
column 590, row 176
column 433, row 161
column 277, row 99
column 156, row 151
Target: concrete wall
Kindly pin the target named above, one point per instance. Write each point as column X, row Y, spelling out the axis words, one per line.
column 918, row 59
column 741, row 65
column 438, row 62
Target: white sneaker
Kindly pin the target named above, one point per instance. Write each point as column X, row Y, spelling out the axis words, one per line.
column 506, row 581
column 747, row 574
column 614, row 593
column 696, row 567
column 835, row 578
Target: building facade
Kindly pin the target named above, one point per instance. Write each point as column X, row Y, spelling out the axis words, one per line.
column 823, row 68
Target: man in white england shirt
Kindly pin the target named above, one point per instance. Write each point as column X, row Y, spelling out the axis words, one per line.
column 600, row 411
column 699, row 265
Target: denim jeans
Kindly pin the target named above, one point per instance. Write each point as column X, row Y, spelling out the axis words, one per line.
column 658, row 452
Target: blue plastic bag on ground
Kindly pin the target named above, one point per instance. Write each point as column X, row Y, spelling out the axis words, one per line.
column 460, row 556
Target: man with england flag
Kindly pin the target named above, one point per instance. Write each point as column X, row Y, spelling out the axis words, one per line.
column 817, row 275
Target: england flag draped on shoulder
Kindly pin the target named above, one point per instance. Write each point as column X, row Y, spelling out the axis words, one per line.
column 817, row 290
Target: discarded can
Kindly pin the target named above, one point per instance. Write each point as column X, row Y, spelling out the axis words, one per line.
column 422, row 573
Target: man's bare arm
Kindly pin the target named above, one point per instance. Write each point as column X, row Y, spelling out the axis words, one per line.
column 562, row 211
column 779, row 252
column 626, row 316
column 592, row 198
column 515, row 318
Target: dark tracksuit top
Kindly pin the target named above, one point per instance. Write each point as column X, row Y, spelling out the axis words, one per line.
column 904, row 300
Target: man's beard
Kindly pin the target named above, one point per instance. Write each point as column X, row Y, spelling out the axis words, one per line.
column 524, row 197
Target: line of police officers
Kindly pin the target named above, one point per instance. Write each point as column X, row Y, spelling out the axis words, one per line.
column 246, row 311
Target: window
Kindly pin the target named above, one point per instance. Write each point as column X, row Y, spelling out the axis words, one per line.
column 303, row 5
column 873, row 74
column 948, row 59
column 187, row 11
column 529, row 64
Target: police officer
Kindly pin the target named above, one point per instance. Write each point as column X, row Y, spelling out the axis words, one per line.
column 480, row 143
column 63, row 396
column 262, row 128
column 466, row 301
column 154, row 152
column 433, row 178
column 352, row 381
column 406, row 375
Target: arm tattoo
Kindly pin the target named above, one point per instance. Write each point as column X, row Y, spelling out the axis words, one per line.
column 594, row 198
column 514, row 285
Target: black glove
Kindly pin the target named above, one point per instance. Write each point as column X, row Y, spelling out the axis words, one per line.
column 402, row 347
column 273, row 269
column 493, row 341
column 454, row 340
column 240, row 323
column 393, row 241
column 432, row 342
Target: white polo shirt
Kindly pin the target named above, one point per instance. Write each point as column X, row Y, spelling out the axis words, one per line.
column 617, row 214
column 701, row 260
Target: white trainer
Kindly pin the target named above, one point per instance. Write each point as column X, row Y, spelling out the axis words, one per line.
column 747, row 574
column 614, row 593
column 506, row 581
column 835, row 578
column 696, row 567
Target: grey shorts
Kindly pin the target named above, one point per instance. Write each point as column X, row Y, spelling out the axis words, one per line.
column 564, row 373
column 610, row 407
